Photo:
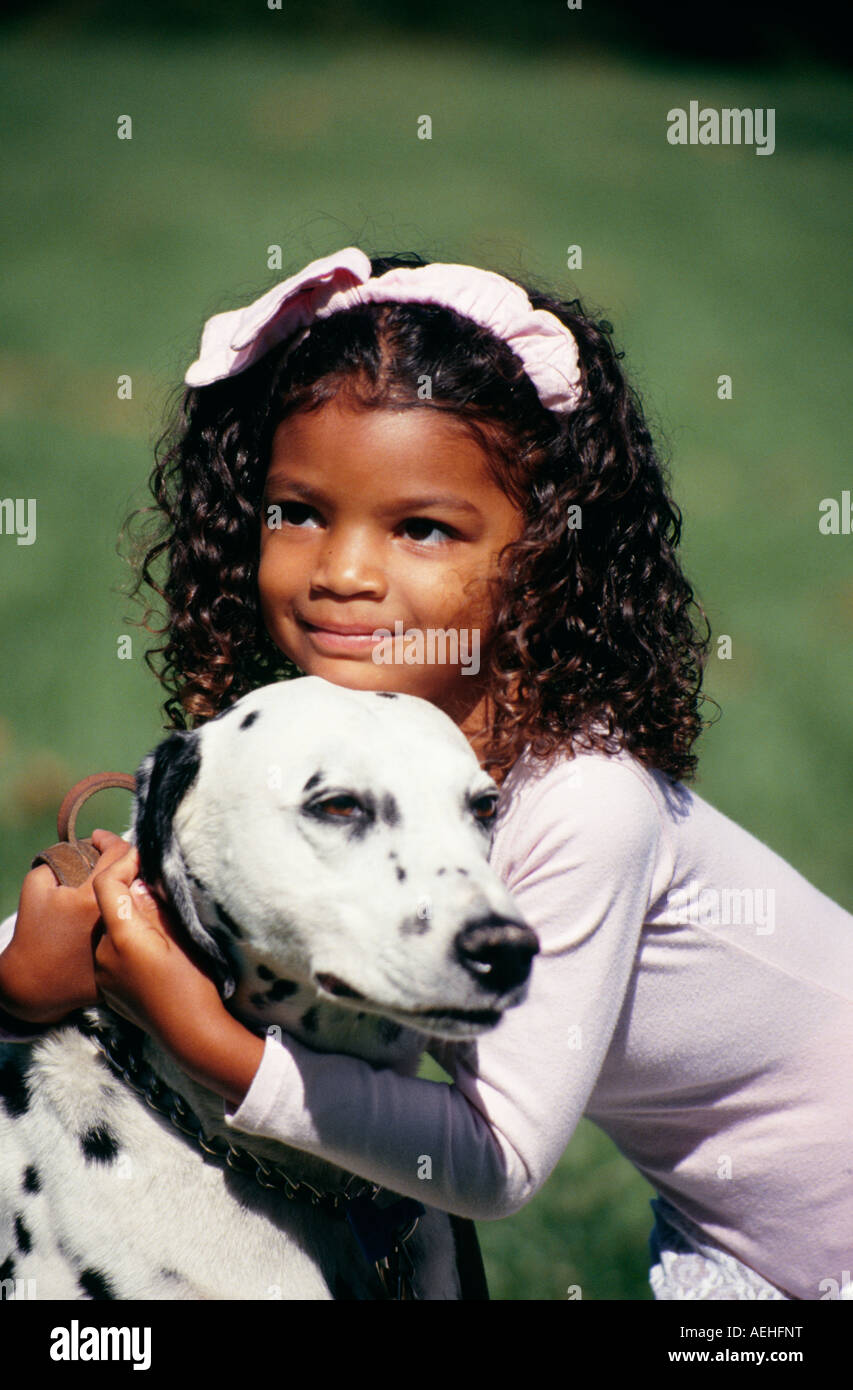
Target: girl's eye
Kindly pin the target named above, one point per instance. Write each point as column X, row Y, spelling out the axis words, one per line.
column 296, row 513
column 426, row 526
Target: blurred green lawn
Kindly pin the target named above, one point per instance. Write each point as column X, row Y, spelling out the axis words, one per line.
column 708, row 261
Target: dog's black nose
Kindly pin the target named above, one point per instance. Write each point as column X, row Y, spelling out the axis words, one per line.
column 497, row 952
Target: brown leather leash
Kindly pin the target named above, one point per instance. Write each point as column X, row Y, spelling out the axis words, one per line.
column 72, row 860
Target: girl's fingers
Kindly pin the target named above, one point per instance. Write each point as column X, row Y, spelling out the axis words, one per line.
column 143, row 897
column 40, row 884
column 116, row 858
column 121, row 895
column 116, row 869
column 121, row 862
column 106, row 840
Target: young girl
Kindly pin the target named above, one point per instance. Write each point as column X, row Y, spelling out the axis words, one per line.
column 389, row 441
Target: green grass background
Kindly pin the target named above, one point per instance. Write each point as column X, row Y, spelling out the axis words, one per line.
column 707, row 260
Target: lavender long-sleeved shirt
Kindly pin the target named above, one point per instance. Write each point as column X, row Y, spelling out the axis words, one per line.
column 693, row 997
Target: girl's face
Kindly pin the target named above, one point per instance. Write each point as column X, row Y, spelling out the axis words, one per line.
column 384, row 519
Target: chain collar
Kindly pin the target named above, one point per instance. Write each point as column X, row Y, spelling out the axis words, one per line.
column 123, row 1053
column 121, row 1043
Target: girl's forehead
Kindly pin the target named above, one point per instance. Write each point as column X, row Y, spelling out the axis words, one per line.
column 342, row 416
column 417, row 441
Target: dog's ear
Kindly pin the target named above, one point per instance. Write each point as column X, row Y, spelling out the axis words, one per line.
column 162, row 781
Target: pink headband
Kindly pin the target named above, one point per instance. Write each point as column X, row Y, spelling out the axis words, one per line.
column 232, row 341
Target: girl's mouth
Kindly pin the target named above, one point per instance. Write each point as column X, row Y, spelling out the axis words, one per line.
column 340, row 638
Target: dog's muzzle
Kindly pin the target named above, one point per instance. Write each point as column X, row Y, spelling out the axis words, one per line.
column 497, row 953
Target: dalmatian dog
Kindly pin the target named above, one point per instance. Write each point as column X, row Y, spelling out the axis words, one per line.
column 327, row 849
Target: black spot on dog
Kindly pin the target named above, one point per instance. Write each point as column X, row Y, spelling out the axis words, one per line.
column 415, row 925
column 440, row 872
column 265, row 973
column 250, row 719
column 23, row 1239
column 386, row 694
column 388, row 1030
column 31, row 1181
column 95, row 1284
column 389, row 810
column 260, row 1001
column 282, row 989
column 464, row 873
column 401, row 873
column 163, row 779
column 99, row 1144
column 228, row 921
column 7, row 1268
column 309, row 1020
column 314, row 780
column 14, row 1090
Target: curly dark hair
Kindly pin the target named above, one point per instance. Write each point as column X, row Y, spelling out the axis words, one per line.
column 594, row 643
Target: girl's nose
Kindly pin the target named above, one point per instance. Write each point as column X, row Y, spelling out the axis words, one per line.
column 348, row 563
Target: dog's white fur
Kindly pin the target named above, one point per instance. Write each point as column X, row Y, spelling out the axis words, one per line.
column 325, row 845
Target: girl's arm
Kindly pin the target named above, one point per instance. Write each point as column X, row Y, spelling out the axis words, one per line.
column 579, row 863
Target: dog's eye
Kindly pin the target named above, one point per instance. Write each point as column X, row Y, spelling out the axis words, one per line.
column 344, row 807
column 485, row 807
column 328, row 807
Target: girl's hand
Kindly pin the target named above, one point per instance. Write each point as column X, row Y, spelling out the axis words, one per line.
column 142, row 969
column 147, row 969
column 47, row 969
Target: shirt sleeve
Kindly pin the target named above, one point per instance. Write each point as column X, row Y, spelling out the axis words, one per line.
column 7, row 931
column 579, row 862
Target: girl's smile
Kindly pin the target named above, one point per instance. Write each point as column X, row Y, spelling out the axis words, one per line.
column 375, row 518
column 338, row 639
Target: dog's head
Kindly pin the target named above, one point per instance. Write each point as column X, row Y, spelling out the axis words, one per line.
column 314, row 837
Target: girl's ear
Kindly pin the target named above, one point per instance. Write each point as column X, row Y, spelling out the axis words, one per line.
column 162, row 781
